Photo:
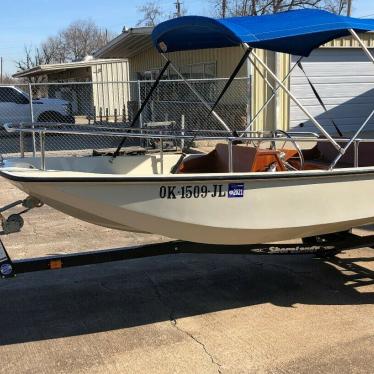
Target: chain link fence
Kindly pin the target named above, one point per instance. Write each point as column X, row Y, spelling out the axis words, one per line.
column 113, row 105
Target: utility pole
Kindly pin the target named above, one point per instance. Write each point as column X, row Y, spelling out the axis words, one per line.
column 349, row 8
column 1, row 70
column 178, row 8
column 224, row 7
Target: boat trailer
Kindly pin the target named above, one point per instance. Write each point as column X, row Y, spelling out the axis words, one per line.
column 322, row 246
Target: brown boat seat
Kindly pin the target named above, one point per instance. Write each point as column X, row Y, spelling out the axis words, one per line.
column 365, row 154
column 245, row 159
column 217, row 161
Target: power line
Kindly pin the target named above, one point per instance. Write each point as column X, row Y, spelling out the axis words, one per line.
column 367, row 16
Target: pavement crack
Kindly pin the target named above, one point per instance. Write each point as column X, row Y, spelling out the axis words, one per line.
column 174, row 323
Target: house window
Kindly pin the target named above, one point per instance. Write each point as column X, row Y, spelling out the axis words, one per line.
column 204, row 70
column 177, row 91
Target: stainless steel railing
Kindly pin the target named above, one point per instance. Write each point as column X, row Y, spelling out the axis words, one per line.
column 43, row 129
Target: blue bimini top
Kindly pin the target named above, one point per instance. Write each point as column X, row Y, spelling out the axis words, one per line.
column 296, row 32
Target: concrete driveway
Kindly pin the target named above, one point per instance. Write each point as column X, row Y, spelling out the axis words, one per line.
column 182, row 313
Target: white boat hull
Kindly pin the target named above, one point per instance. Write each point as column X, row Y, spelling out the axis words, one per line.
column 273, row 206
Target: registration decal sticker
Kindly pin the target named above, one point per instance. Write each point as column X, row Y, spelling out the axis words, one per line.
column 235, row 190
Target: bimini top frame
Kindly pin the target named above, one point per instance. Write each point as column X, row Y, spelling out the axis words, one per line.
column 296, row 32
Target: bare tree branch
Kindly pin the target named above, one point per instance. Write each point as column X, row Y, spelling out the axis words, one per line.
column 257, row 7
column 151, row 14
column 79, row 39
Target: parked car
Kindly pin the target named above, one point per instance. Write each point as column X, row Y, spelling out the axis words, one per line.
column 15, row 108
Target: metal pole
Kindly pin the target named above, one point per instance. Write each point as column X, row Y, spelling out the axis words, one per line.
column 32, row 121
column 231, row 164
column 220, row 120
column 140, row 104
column 349, row 8
column 182, row 128
column 162, row 155
column 272, row 96
column 276, row 93
column 1, row 70
column 356, row 144
column 297, row 102
column 362, row 44
column 42, row 149
column 263, row 76
column 352, row 140
column 21, row 143
column 249, row 95
column 371, row 58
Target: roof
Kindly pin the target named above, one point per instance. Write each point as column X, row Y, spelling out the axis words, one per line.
column 127, row 44
column 53, row 68
column 296, row 32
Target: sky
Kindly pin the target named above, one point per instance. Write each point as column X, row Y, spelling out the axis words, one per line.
column 29, row 22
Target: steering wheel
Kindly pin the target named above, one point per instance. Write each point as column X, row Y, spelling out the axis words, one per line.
column 282, row 155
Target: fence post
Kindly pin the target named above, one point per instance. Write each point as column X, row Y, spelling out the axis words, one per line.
column 139, row 105
column 249, row 101
column 32, row 120
column 182, row 128
column 124, row 113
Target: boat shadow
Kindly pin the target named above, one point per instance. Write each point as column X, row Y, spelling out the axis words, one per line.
column 120, row 295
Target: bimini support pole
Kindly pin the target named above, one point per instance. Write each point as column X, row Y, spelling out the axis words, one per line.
column 275, row 90
column 143, row 105
column 354, row 137
column 296, row 101
column 232, row 77
column 362, row 45
column 219, row 119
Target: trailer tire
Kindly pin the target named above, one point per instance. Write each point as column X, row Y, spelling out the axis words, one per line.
column 13, row 223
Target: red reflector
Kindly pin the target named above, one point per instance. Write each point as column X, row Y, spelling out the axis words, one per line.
column 55, row 264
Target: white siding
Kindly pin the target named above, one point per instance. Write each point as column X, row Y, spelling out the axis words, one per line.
column 344, row 79
column 110, row 86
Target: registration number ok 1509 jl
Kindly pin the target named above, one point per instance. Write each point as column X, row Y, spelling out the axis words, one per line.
column 232, row 190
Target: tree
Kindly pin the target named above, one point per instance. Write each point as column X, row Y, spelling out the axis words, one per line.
column 32, row 58
column 151, row 14
column 257, row 7
column 79, row 39
column 7, row 79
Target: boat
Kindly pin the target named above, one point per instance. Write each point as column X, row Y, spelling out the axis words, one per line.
column 250, row 189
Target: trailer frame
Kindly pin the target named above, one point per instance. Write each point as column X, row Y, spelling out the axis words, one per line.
column 324, row 246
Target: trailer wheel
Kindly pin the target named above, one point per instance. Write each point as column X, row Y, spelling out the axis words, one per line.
column 12, row 224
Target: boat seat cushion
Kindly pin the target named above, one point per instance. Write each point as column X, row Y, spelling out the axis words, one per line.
column 217, row 161
column 245, row 159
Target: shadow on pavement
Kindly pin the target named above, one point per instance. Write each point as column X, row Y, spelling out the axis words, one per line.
column 92, row 299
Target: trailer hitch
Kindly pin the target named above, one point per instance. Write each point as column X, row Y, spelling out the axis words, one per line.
column 14, row 222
